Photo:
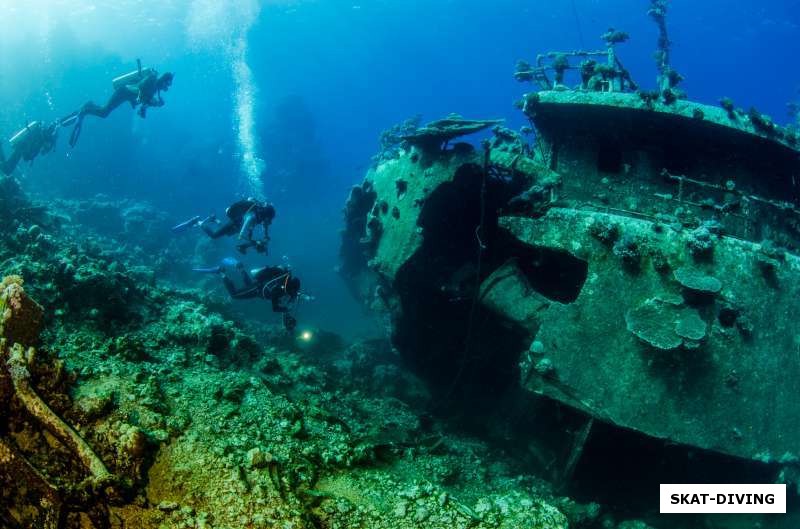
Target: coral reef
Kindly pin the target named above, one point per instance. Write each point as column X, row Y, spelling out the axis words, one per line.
column 182, row 417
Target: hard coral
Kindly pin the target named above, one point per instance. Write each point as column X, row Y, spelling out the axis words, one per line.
column 560, row 65
column 666, row 326
column 695, row 280
column 613, row 36
column 701, row 242
column 604, row 230
column 524, row 71
column 761, row 122
column 628, row 248
column 392, row 140
column 727, row 104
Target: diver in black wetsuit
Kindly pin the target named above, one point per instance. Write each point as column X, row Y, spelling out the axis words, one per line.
column 273, row 283
column 142, row 87
column 35, row 139
column 243, row 217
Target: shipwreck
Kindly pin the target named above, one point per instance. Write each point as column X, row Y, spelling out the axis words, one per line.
column 633, row 255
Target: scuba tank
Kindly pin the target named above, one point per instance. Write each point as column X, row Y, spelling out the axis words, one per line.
column 239, row 209
column 25, row 133
column 132, row 77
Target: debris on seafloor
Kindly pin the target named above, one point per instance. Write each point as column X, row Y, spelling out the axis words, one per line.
column 20, row 325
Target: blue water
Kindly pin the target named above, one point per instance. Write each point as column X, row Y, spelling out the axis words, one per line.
column 287, row 98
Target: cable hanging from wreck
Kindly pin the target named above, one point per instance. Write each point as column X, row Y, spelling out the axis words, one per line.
column 578, row 24
column 478, row 265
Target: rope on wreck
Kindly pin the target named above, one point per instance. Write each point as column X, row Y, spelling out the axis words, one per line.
column 578, row 23
column 479, row 262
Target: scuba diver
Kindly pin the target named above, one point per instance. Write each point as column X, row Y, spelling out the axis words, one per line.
column 243, row 217
column 141, row 87
column 273, row 283
column 35, row 139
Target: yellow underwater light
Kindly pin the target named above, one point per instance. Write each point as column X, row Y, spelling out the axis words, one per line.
column 306, row 336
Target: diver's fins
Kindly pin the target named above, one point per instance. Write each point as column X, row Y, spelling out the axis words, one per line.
column 260, row 246
column 68, row 120
column 212, row 270
column 228, row 262
column 76, row 132
column 183, row 226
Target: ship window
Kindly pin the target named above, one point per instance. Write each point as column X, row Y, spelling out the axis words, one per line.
column 609, row 159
